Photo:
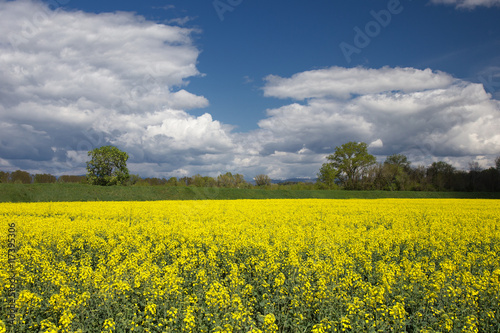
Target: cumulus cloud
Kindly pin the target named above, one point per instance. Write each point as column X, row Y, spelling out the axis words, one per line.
column 72, row 81
column 422, row 113
column 343, row 83
column 469, row 4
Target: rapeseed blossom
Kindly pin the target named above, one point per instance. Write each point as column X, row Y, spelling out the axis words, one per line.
column 255, row 266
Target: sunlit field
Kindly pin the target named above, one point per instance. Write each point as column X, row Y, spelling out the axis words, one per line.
column 309, row 265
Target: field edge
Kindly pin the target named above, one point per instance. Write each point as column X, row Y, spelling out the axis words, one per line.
column 82, row 192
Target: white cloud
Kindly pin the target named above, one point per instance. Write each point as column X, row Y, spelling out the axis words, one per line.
column 343, row 83
column 72, row 81
column 428, row 115
column 376, row 144
column 469, row 4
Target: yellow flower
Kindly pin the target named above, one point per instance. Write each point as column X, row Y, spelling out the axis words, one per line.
column 193, row 265
column 269, row 324
column 108, row 326
column 66, row 319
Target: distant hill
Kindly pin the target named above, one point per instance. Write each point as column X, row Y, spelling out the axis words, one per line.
column 294, row 180
column 287, row 181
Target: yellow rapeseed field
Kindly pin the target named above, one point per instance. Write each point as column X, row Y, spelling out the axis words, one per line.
column 386, row 265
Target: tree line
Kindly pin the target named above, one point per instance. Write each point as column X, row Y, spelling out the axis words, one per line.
column 108, row 166
column 24, row 177
column 350, row 167
column 227, row 180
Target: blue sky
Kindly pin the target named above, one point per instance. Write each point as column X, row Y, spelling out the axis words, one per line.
column 247, row 86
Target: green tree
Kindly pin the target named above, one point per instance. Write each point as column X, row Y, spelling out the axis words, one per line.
column 327, row 175
column 134, row 179
column 199, row 181
column 262, row 180
column 395, row 172
column 185, row 181
column 239, row 181
column 44, row 178
column 172, row 181
column 108, row 166
column 230, row 180
column 441, row 175
column 4, row 177
column 351, row 160
column 20, row 177
column 72, row 179
column 154, row 181
column 204, row 181
column 399, row 160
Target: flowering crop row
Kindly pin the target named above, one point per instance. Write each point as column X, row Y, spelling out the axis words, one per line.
column 254, row 266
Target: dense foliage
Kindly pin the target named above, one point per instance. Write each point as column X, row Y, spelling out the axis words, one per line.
column 107, row 166
column 350, row 161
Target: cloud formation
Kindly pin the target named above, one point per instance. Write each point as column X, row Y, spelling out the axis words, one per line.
column 343, row 83
column 421, row 113
column 115, row 75
column 468, row 4
column 74, row 81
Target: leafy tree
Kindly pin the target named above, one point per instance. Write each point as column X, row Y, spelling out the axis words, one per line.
column 230, row 180
column 262, row 180
column 225, row 180
column 134, row 179
column 441, row 175
column 44, row 178
column 395, row 172
column 474, row 166
column 351, row 160
column 474, row 175
column 419, row 180
column 497, row 163
column 72, row 179
column 203, row 181
column 153, row 181
column 198, row 181
column 4, row 177
column 327, row 175
column 185, row 181
column 490, row 180
column 399, row 160
column 372, row 178
column 172, row 181
column 20, row 177
column 210, row 181
column 239, row 181
column 108, row 166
